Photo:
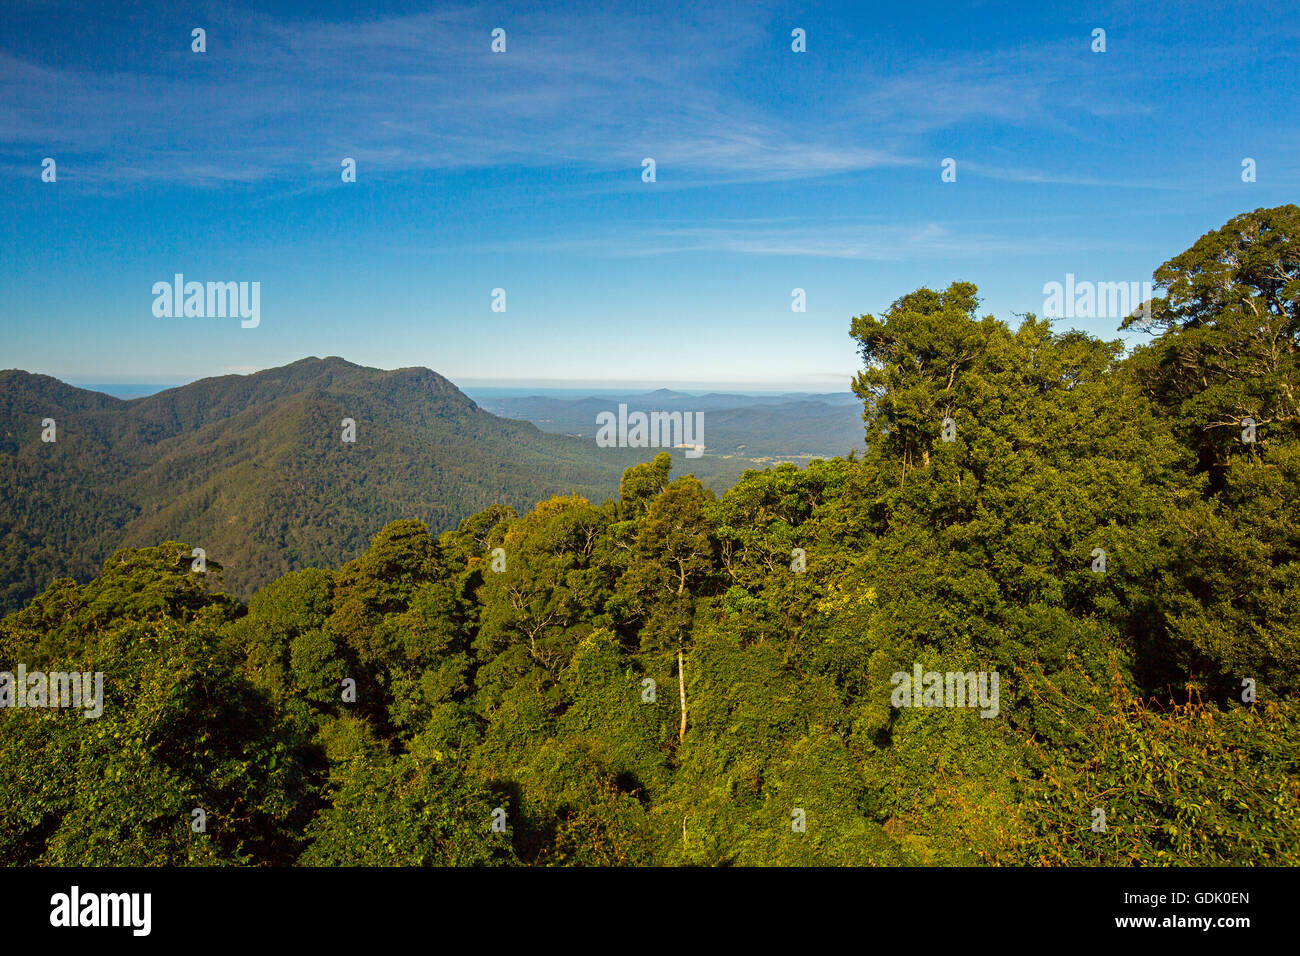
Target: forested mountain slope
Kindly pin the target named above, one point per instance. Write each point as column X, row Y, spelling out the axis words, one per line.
column 254, row 469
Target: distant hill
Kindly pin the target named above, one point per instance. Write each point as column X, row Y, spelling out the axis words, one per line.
column 788, row 426
column 253, row 468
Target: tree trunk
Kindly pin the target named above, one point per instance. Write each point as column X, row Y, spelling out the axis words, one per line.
column 681, row 690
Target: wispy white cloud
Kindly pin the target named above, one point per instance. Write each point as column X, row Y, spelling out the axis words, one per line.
column 842, row 240
column 273, row 99
column 423, row 92
column 415, row 92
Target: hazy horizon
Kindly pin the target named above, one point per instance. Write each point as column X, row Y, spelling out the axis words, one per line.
column 547, row 388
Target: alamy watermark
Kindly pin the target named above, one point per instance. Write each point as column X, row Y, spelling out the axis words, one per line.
column 130, row 910
column 1096, row 300
column 215, row 300
column 651, row 430
column 58, row 689
column 923, row 688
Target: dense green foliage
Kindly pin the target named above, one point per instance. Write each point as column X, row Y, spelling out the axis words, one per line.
column 676, row 678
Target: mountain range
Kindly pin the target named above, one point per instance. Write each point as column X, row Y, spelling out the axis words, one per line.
column 254, row 468
column 788, row 426
column 256, row 471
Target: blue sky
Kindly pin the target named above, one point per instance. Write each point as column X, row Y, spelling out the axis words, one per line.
column 522, row 170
